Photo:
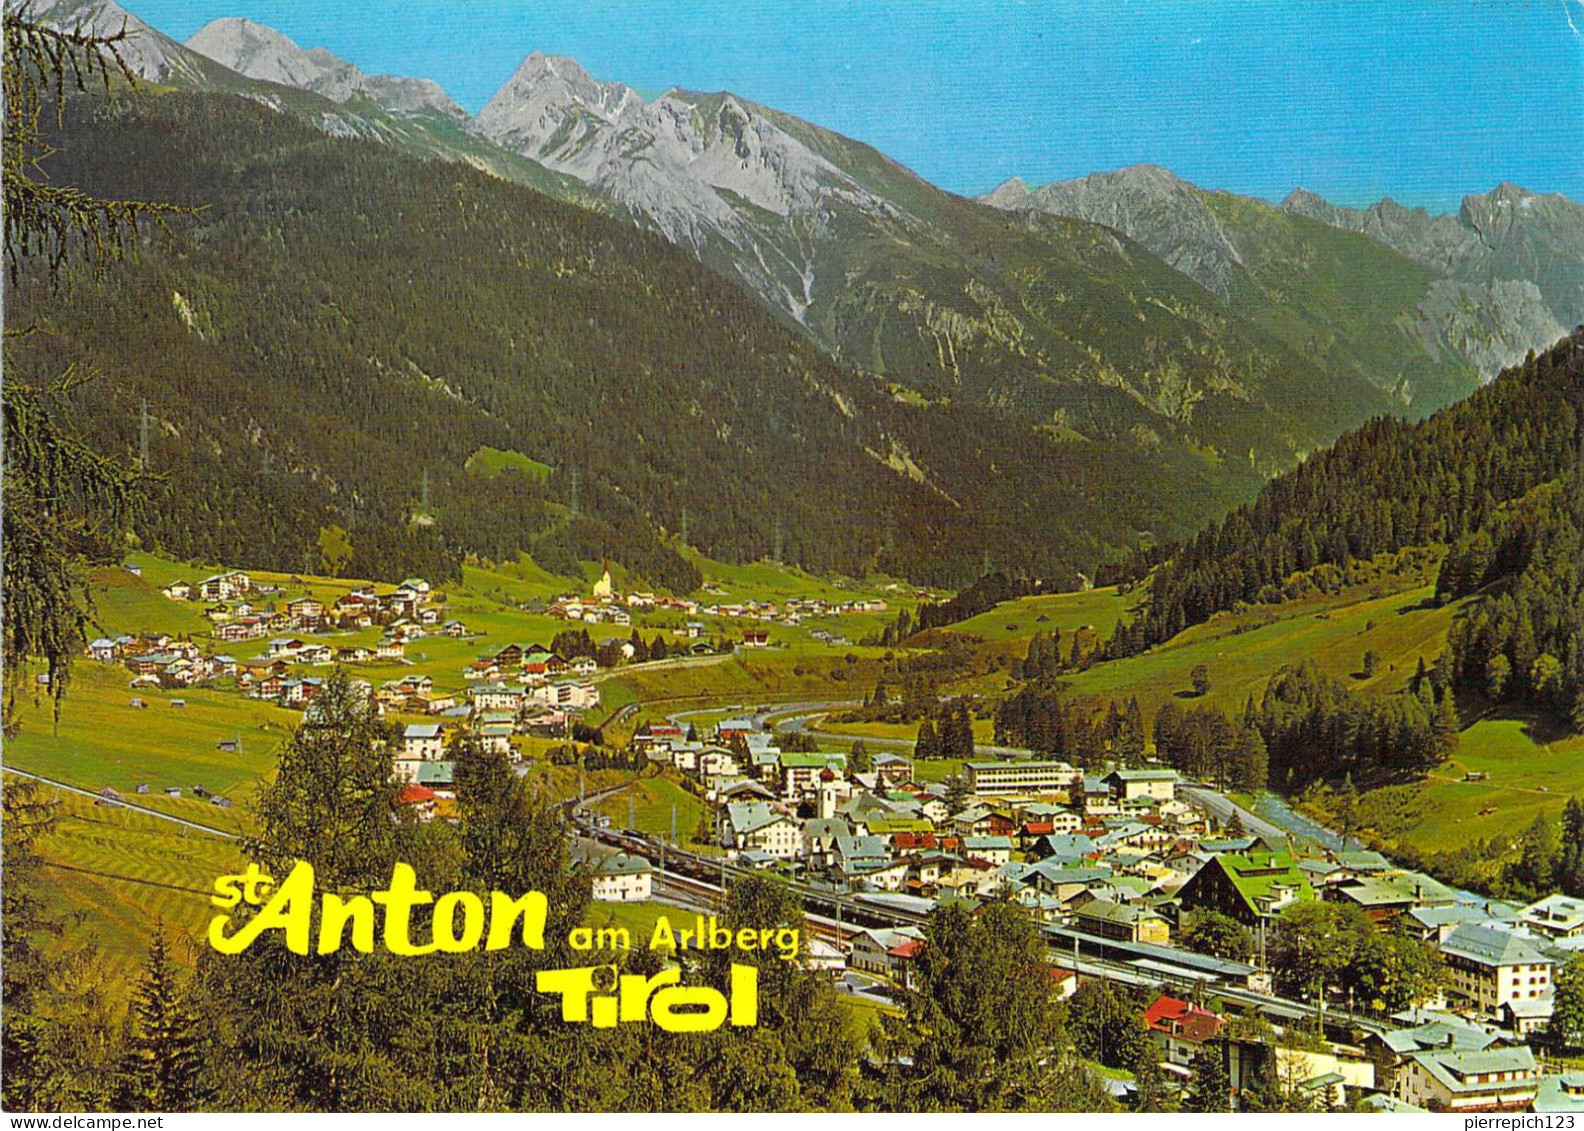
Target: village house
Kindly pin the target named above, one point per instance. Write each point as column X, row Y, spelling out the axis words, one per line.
column 623, row 879
column 1125, row 922
column 284, row 648
column 390, row 648
column 1181, row 1030
column 299, row 692
column 421, row 800
column 1496, row 970
column 178, row 590
column 225, row 586
column 1555, row 917
column 569, row 696
column 1434, row 1032
column 871, row 948
column 1496, row 1079
column 1135, row 785
column 996, row 850
column 423, row 742
column 749, row 825
column 496, row 697
column 801, row 772
column 1249, row 888
column 988, row 779
column 496, row 738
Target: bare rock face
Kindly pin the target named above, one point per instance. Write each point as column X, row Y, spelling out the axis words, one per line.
column 1507, row 235
column 708, row 171
column 265, row 54
column 1156, row 207
column 1493, row 325
column 1508, row 268
column 148, row 54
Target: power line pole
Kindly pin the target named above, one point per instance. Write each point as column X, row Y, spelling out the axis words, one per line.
column 423, row 506
column 143, row 433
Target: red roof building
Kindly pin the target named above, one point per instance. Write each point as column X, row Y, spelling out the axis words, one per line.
column 1180, row 1028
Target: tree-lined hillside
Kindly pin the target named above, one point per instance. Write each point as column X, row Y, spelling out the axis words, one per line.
column 1496, row 478
column 341, row 328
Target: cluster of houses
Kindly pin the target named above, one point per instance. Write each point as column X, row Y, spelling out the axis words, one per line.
column 490, row 714
column 605, row 606
column 411, row 611
column 531, row 664
column 1121, row 860
column 158, row 660
column 1415, row 1061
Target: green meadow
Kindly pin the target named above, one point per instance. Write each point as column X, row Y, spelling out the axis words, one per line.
column 102, row 740
column 1097, row 609
column 113, row 875
column 1242, row 650
column 1520, row 767
column 647, row 805
column 489, row 462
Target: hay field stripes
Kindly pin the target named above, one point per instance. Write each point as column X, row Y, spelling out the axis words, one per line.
column 122, row 804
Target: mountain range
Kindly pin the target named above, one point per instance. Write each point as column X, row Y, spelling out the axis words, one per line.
column 1480, row 288
column 1178, row 344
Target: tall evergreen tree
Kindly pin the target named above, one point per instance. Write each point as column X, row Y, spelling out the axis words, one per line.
column 1210, row 1089
column 331, row 801
column 163, row 1067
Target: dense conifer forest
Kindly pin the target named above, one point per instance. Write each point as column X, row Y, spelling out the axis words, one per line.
column 326, row 343
column 1498, row 480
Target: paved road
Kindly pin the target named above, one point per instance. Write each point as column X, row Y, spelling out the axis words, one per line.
column 1222, row 809
column 210, row 829
column 662, row 665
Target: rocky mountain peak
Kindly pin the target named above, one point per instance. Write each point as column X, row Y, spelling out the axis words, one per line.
column 260, row 52
column 149, row 54
column 1148, row 203
column 706, row 170
column 1011, row 194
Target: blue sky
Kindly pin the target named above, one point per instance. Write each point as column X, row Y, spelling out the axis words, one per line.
column 1355, row 99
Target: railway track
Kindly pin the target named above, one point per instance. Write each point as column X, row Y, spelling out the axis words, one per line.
column 837, row 917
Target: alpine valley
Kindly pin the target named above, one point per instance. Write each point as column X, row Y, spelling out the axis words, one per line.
column 1040, row 380
column 1121, row 640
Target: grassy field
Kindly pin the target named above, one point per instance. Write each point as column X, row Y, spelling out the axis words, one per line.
column 637, row 918
column 103, row 741
column 1099, row 609
column 862, row 1014
column 113, row 875
column 754, row 678
column 984, row 730
column 1242, row 650
column 1530, row 768
column 490, row 462
column 646, row 805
